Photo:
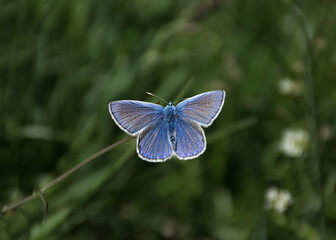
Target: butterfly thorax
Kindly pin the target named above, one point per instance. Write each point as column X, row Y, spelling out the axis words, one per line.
column 170, row 112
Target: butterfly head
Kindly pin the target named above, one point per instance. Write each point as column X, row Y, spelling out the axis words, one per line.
column 169, row 110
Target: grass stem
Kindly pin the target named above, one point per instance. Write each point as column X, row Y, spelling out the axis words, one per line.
column 63, row 176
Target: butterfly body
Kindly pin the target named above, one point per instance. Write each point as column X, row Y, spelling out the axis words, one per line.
column 172, row 130
column 170, row 118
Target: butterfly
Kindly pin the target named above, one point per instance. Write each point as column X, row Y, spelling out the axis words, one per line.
column 164, row 132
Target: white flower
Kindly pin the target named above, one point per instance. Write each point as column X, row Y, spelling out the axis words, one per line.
column 277, row 199
column 294, row 142
column 289, row 87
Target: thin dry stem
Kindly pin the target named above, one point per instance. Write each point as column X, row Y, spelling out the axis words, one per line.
column 63, row 176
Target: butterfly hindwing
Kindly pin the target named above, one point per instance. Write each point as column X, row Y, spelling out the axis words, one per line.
column 153, row 144
column 190, row 139
column 203, row 108
column 132, row 116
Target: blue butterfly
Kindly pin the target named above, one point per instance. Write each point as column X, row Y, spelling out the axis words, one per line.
column 170, row 131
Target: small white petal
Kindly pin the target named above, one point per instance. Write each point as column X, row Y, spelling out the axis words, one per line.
column 294, row 142
column 278, row 200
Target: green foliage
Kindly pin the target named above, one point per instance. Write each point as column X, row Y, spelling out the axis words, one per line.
column 62, row 62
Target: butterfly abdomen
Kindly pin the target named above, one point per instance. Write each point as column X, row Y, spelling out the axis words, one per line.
column 170, row 117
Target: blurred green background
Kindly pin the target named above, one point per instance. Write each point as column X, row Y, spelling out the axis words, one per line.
column 269, row 171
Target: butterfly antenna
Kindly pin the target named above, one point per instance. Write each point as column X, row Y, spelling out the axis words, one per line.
column 151, row 94
column 179, row 101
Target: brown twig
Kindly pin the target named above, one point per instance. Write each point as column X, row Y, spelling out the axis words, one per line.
column 63, row 176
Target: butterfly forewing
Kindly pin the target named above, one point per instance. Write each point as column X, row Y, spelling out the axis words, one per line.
column 190, row 139
column 133, row 116
column 203, row 108
column 153, row 144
